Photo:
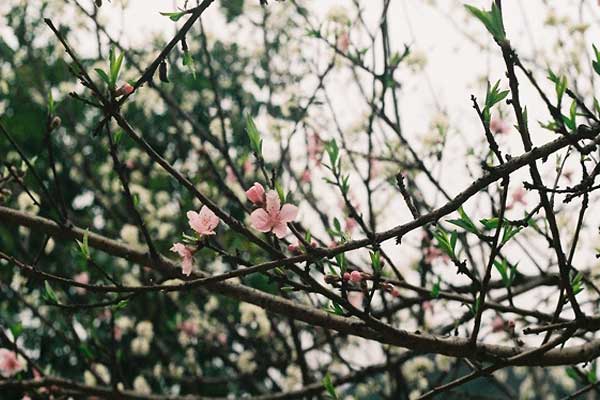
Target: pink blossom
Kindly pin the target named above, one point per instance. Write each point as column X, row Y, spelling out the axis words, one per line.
column 189, row 327
column 355, row 276
column 518, row 196
column 82, row 277
column 186, row 254
column 306, row 176
column 350, row 224
column 222, row 338
column 432, row 254
column 118, row 333
column 256, row 194
column 10, row 364
column 499, row 126
column 315, row 148
column 355, row 298
column 293, row 248
column 230, row 175
column 427, row 306
column 395, row 292
column 346, row 276
column 497, row 324
column 273, row 218
column 343, row 42
column 204, row 222
column 248, row 166
column 125, row 89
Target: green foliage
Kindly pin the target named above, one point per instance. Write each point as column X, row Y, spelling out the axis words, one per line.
column 331, row 394
column 464, row 222
column 254, row 136
column 174, row 16
column 492, row 20
column 507, row 271
column 596, row 62
column 446, row 241
column 493, row 96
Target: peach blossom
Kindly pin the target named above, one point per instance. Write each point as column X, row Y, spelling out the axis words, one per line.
column 186, row 254
column 256, row 194
column 204, row 222
column 274, row 217
column 10, row 364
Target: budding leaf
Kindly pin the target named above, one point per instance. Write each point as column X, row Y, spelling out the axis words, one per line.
column 253, row 135
column 173, row 16
column 102, row 75
column 492, row 20
column 50, row 294
column 328, row 385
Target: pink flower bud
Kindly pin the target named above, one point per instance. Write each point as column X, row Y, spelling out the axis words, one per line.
column 497, row 325
column 125, row 89
column 293, row 247
column 346, row 276
column 256, row 194
column 55, row 122
column 355, row 276
column 395, row 292
column 306, row 176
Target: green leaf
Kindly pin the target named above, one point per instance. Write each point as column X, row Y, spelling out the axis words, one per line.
column 333, row 151
column 118, row 136
column 596, row 63
column 16, row 329
column 120, row 305
column 188, row 61
column 173, row 16
column 103, row 75
column 509, row 232
column 435, row 290
column 253, row 135
column 328, row 385
column 465, row 222
column 115, row 66
column 50, row 294
column 86, row 351
column 51, row 106
column 492, row 20
column 489, row 223
column 376, row 261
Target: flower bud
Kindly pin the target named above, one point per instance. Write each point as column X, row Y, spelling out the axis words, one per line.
column 55, row 122
column 125, row 89
column 256, row 194
column 346, row 276
column 355, row 276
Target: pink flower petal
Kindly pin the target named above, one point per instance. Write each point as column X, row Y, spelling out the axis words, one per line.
column 260, row 220
column 273, row 203
column 280, row 230
column 186, row 265
column 288, row 213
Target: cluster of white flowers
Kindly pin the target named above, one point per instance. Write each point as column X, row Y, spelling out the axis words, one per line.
column 140, row 345
column 26, row 204
column 255, row 317
column 246, row 363
column 140, row 385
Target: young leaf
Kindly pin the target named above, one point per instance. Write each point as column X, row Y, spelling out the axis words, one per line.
column 173, row 16
column 253, row 135
column 435, row 290
column 492, row 20
column 103, row 75
column 464, row 222
column 328, row 385
column 50, row 294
